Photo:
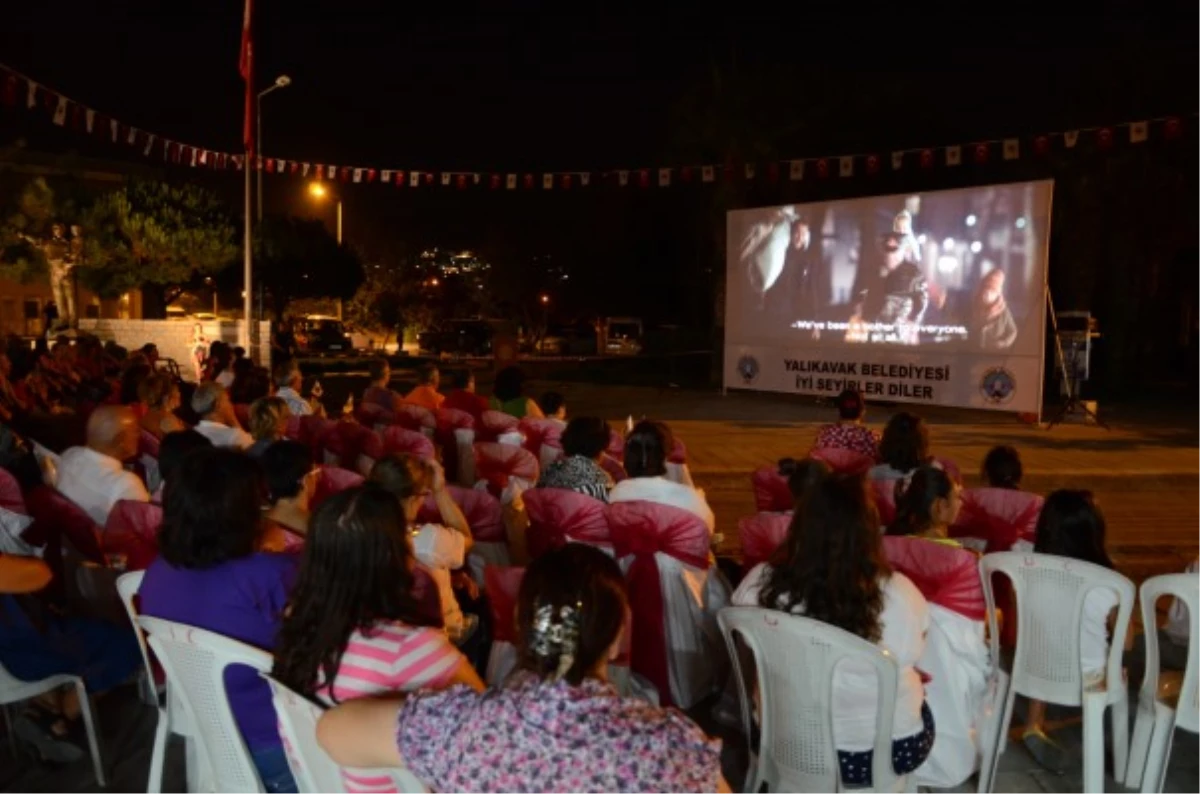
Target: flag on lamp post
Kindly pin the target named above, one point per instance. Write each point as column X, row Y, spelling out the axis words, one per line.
column 246, row 67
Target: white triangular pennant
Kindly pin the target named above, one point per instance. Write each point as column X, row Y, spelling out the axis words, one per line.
column 414, row 179
column 749, row 170
column 445, row 179
column 510, row 181
column 149, row 145
column 89, row 116
column 166, row 148
column 953, row 155
column 1070, row 138
column 193, row 159
column 385, row 176
column 846, row 166
column 204, row 157
column 796, row 170
column 357, row 175
column 706, row 173
column 131, row 138
column 664, row 177
column 31, row 95
column 1138, row 132
column 113, row 124
column 476, row 178
column 304, row 169
column 623, row 178
column 897, row 160
column 547, row 181
column 331, row 172
column 585, row 178
column 1012, row 149
column 60, row 111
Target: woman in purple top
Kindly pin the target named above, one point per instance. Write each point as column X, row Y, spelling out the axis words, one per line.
column 209, row 575
column 556, row 724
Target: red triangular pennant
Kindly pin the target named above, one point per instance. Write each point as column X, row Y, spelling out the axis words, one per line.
column 822, row 168
column 8, row 92
column 927, row 158
column 981, row 153
column 872, row 164
column 1172, row 128
column 1041, row 145
column 494, row 181
column 1104, row 137
column 372, row 174
column 643, row 178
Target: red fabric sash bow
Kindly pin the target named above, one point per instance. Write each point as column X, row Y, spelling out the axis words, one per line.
column 347, row 440
column 401, row 441
column 556, row 516
column 332, row 480
column 761, row 535
column 481, row 509
column 132, row 530
column 497, row 463
column 946, row 575
column 503, row 585
column 771, row 492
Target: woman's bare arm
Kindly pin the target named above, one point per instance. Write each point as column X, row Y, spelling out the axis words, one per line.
column 361, row 733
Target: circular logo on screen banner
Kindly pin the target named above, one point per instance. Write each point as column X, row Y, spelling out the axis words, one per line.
column 998, row 385
column 747, row 367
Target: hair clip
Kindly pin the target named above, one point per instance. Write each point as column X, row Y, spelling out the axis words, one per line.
column 556, row 635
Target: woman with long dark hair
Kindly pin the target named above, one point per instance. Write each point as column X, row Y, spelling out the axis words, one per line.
column 904, row 447
column 353, row 628
column 647, row 448
column 832, row 568
column 556, row 724
column 926, row 505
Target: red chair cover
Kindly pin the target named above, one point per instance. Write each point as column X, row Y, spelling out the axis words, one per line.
column 480, row 508
column 55, row 517
column 616, row 445
column 771, row 492
column 557, row 515
column 946, row 575
column 401, row 441
column 761, row 534
column 540, row 431
column 613, row 467
column 449, row 420
column 641, row 530
column 371, row 414
column 885, row 500
column 147, row 444
column 10, row 494
column 503, row 584
column 242, row 411
column 415, row 417
column 331, row 480
column 951, row 468
column 1000, row 516
column 348, row 440
column 313, row 430
column 427, row 596
column 678, row 453
column 493, row 424
column 132, row 530
column 843, row 461
column 293, row 428
column 497, row 463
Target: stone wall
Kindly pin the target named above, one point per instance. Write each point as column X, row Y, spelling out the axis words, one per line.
column 172, row 337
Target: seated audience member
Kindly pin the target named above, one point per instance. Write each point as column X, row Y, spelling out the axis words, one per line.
column 425, row 394
column 508, row 395
column 1071, row 525
column 1002, row 468
column 463, row 396
column 802, row 475
column 268, row 424
column 291, row 481
column 94, row 477
column 904, row 447
column 377, row 393
column 353, row 627
column 239, row 353
column 150, row 351
column 288, row 382
column 440, row 548
column 554, row 407
column 130, row 387
column 849, row 432
column 579, row 469
column 12, row 404
column 209, row 575
column 160, row 394
column 926, row 505
column 219, row 359
column 36, row 643
column 243, row 371
column 647, row 448
column 218, row 421
column 832, row 568
column 173, row 448
column 557, row 713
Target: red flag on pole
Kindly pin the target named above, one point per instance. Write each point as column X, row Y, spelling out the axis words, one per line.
column 246, row 67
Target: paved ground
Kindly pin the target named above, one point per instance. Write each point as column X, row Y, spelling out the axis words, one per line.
column 1144, row 473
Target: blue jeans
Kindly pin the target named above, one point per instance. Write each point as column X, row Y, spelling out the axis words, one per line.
column 273, row 769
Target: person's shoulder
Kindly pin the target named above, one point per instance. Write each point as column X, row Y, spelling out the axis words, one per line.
column 749, row 589
column 900, row 588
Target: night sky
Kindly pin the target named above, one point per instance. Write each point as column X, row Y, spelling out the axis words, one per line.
column 438, row 86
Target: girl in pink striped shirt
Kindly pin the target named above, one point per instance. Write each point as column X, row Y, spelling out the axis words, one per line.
column 353, row 628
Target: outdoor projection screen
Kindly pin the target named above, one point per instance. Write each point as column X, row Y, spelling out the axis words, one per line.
column 932, row 298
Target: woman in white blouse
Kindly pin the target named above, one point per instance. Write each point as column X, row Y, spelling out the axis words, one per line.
column 647, row 448
column 832, row 568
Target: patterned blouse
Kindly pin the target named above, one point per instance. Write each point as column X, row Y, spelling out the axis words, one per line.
column 577, row 473
column 532, row 735
column 856, row 438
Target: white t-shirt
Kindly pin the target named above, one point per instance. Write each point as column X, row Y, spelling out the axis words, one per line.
column 225, row 378
column 664, row 492
column 296, row 404
column 904, row 621
column 223, row 436
column 96, row 482
column 440, row 549
column 1179, row 622
column 1093, row 636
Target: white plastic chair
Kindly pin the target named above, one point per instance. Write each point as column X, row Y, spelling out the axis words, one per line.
column 794, row 658
column 195, row 661
column 14, row 690
column 1049, row 592
column 1157, row 720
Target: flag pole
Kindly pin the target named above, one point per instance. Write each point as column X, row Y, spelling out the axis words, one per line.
column 246, row 67
column 247, row 249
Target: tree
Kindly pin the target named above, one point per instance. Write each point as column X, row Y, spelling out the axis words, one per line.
column 158, row 237
column 37, row 209
column 390, row 300
column 298, row 258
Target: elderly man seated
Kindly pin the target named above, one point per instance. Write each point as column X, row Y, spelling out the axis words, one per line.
column 218, row 421
column 94, row 476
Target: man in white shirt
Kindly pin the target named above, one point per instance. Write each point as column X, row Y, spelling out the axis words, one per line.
column 218, row 421
column 288, row 381
column 94, row 476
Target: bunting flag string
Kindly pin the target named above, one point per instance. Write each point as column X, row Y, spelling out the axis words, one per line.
column 19, row 93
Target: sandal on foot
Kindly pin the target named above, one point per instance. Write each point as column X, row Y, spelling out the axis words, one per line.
column 1047, row 752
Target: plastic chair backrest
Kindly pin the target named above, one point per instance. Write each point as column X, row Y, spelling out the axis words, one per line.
column 10, row 494
column 502, row 584
column 128, row 585
column 1186, row 588
column 1049, row 593
column 998, row 516
column 331, row 480
column 613, row 467
column 843, row 461
column 950, row 467
column 771, row 491
column 50, row 510
column 797, row 751
column 616, row 445
column 678, row 454
column 761, row 534
column 148, row 443
column 885, row 499
column 946, row 575
column 540, row 431
column 132, row 530
column 416, row 417
column 482, row 511
column 493, row 424
column 195, row 661
column 498, row 463
column 557, row 516
column 399, row 440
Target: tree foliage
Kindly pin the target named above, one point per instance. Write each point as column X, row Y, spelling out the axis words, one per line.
column 37, row 208
column 156, row 234
column 298, row 258
column 390, row 300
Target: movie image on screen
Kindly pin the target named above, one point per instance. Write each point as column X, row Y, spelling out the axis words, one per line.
column 957, row 270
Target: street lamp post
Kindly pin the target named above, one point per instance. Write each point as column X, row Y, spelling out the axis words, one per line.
column 318, row 191
column 282, row 81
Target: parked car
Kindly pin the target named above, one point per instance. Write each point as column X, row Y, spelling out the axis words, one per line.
column 458, row 338
column 321, row 335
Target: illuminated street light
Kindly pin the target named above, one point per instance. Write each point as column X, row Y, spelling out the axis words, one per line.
column 317, row 190
column 545, row 299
